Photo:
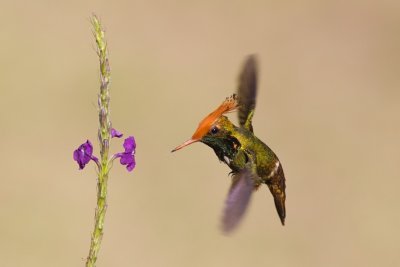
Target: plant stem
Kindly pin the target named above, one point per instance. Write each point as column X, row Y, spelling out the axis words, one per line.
column 99, row 219
column 104, row 140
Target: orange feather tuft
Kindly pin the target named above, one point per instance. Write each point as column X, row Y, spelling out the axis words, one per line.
column 230, row 104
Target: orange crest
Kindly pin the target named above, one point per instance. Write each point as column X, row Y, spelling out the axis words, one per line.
column 230, row 104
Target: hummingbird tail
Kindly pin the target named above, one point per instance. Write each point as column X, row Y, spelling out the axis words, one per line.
column 280, row 207
column 277, row 187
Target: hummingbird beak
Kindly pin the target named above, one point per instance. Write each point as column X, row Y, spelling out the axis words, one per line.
column 188, row 142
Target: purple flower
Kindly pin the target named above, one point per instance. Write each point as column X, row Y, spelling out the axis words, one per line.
column 84, row 154
column 128, row 157
column 115, row 133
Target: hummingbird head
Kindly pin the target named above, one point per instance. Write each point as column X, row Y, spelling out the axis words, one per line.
column 215, row 129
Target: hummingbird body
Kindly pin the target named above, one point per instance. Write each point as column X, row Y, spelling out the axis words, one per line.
column 252, row 162
column 237, row 146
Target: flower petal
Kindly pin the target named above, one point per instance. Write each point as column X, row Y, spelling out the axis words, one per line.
column 126, row 159
column 115, row 133
column 88, row 148
column 83, row 154
column 76, row 155
column 129, row 144
column 131, row 166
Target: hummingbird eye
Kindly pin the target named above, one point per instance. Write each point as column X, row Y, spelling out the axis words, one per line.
column 214, row 130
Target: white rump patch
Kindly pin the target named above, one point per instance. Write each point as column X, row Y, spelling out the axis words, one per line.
column 273, row 172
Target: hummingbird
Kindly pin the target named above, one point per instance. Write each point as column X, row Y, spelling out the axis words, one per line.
column 251, row 161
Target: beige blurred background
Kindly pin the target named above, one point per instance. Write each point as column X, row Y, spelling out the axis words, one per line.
column 329, row 106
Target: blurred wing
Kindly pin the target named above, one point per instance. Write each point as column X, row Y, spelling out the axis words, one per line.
column 238, row 199
column 247, row 92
